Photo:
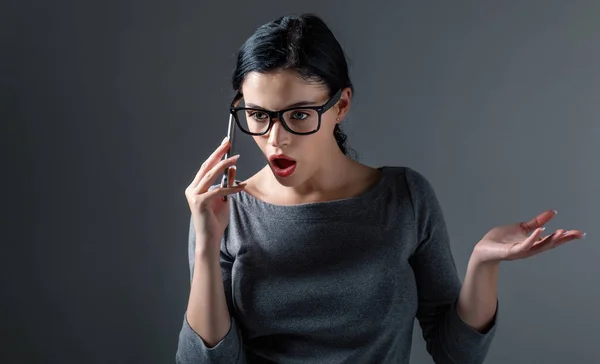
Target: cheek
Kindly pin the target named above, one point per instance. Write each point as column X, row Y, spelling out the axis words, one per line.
column 261, row 142
column 328, row 123
column 327, row 126
column 314, row 145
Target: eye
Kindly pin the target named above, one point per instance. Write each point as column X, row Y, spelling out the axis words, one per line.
column 299, row 115
column 259, row 116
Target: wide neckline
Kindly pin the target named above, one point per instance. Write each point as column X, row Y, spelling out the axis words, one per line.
column 321, row 209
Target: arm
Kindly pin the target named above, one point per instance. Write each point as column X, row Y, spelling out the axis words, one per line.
column 448, row 338
column 478, row 299
column 207, row 312
column 209, row 333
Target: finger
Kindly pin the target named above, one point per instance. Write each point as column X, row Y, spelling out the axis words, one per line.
column 567, row 236
column 231, row 176
column 548, row 242
column 210, row 162
column 575, row 234
column 530, row 241
column 230, row 179
column 221, row 192
column 209, row 177
column 538, row 221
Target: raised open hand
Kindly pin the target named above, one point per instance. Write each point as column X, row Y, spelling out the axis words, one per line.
column 210, row 213
column 522, row 240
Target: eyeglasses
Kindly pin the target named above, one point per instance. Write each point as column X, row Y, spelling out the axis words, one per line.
column 300, row 120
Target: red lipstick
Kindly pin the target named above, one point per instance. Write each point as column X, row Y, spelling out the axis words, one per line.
column 282, row 165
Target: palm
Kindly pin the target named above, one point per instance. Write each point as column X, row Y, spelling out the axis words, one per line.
column 522, row 240
column 221, row 213
column 217, row 217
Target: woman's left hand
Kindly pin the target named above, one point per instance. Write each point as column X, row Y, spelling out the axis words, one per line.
column 522, row 240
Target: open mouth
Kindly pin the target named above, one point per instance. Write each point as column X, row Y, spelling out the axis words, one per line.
column 282, row 166
column 283, row 163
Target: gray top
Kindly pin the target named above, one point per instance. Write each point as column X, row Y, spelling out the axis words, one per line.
column 339, row 281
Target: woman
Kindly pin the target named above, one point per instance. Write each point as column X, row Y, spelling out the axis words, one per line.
column 318, row 258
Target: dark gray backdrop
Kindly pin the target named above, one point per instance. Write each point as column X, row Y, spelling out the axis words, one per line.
column 109, row 108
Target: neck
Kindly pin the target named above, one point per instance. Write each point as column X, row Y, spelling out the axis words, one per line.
column 332, row 176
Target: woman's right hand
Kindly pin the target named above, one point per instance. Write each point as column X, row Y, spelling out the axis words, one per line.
column 210, row 212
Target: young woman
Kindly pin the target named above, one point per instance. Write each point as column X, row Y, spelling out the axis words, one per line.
column 318, row 258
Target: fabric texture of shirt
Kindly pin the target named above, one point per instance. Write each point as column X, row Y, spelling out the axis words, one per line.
column 339, row 281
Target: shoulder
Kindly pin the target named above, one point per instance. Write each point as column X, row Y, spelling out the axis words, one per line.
column 417, row 183
column 416, row 187
column 427, row 212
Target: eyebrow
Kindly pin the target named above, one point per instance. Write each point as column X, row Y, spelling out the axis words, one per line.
column 297, row 104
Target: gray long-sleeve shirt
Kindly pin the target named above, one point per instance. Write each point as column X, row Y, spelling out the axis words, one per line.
column 339, row 281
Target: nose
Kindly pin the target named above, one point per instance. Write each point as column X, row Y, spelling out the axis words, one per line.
column 277, row 135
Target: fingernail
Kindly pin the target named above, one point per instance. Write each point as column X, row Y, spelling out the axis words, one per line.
column 583, row 235
column 565, row 233
column 543, row 228
column 555, row 212
column 225, row 140
column 235, row 157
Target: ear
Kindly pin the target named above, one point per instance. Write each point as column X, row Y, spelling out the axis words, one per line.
column 343, row 105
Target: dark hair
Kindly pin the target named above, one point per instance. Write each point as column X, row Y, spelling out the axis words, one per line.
column 302, row 43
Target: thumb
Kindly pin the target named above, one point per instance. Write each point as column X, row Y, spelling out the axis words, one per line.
column 223, row 192
column 538, row 221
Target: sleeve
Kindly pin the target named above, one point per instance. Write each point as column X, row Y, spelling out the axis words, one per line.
column 448, row 338
column 191, row 348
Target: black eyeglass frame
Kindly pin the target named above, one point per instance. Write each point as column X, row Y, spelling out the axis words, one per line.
column 279, row 114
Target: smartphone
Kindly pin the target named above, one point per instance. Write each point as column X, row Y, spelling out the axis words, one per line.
column 229, row 153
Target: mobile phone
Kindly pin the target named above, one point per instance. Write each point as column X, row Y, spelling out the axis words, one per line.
column 231, row 136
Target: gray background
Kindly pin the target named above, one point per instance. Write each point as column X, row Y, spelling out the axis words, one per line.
column 109, row 108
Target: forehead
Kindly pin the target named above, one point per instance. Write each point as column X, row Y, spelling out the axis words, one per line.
column 276, row 90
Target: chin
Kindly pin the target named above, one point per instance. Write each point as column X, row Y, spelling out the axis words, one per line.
column 290, row 180
column 285, row 182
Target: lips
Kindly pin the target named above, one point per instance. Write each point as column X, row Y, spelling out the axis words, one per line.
column 283, row 163
column 283, row 166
